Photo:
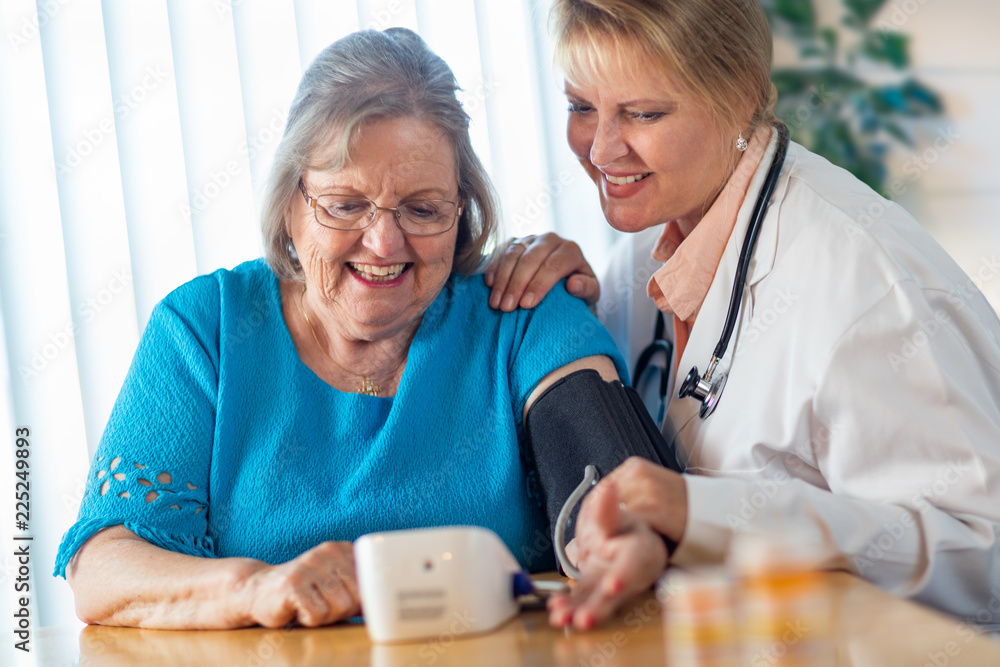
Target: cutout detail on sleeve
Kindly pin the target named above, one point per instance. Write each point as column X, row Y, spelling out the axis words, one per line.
column 164, row 482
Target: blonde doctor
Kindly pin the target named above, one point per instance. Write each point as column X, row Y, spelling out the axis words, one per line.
column 861, row 405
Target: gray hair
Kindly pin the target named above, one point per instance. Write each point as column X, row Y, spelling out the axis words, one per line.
column 368, row 76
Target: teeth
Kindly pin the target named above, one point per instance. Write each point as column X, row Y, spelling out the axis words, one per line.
column 624, row 180
column 378, row 273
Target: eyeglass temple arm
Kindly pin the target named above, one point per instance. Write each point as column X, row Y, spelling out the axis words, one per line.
column 311, row 201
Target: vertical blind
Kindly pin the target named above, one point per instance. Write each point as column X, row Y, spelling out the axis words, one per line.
column 135, row 137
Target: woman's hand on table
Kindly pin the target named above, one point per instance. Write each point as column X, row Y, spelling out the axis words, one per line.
column 318, row 587
column 524, row 270
column 619, row 547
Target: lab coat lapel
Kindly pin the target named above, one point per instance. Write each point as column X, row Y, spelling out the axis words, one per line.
column 767, row 241
column 683, row 421
column 683, row 412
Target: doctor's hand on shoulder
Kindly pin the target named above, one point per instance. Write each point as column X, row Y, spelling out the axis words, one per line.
column 523, row 270
column 619, row 546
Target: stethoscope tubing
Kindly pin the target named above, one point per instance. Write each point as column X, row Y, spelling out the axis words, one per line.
column 659, row 344
column 750, row 240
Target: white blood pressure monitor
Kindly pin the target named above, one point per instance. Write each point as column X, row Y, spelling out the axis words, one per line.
column 421, row 583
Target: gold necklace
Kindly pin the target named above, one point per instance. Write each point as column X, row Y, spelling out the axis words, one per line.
column 368, row 387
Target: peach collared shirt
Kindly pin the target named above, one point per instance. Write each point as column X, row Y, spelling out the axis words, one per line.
column 691, row 256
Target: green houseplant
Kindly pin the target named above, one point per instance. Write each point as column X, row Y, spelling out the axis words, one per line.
column 852, row 98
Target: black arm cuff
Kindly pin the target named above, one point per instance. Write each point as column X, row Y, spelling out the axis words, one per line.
column 582, row 420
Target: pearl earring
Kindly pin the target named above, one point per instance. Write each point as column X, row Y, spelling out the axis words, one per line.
column 741, row 143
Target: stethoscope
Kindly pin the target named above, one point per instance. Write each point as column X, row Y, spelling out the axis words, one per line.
column 706, row 388
column 659, row 344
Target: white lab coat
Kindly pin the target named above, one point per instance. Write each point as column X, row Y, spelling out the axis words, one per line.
column 862, row 408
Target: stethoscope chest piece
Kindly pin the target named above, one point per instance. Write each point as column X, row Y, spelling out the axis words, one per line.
column 707, row 390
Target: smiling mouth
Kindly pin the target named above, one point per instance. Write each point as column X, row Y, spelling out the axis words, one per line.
column 624, row 180
column 378, row 274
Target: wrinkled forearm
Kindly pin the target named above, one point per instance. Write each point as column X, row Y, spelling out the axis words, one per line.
column 120, row 579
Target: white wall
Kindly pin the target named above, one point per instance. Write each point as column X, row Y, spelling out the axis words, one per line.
column 956, row 51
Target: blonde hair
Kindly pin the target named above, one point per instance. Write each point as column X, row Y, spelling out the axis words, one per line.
column 365, row 77
column 719, row 51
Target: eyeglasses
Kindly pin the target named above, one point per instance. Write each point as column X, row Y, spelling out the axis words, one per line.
column 421, row 217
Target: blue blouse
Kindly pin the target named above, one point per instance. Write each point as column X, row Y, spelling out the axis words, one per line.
column 223, row 443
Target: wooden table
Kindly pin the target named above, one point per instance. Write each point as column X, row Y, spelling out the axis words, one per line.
column 869, row 627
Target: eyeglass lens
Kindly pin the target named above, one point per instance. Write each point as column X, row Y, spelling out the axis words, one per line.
column 426, row 216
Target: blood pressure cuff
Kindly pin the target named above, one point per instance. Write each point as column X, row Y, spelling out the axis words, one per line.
column 582, row 420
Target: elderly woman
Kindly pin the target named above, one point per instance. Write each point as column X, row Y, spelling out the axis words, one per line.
column 860, row 411
column 356, row 381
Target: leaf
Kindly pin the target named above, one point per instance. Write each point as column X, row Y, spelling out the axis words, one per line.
column 863, row 10
column 890, row 47
column 829, row 36
column 827, row 77
column 852, row 22
column 911, row 99
column 889, row 100
column 790, row 81
column 922, row 98
column 799, row 13
column 838, row 144
column 803, row 94
column 879, row 149
column 897, row 132
column 869, row 122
